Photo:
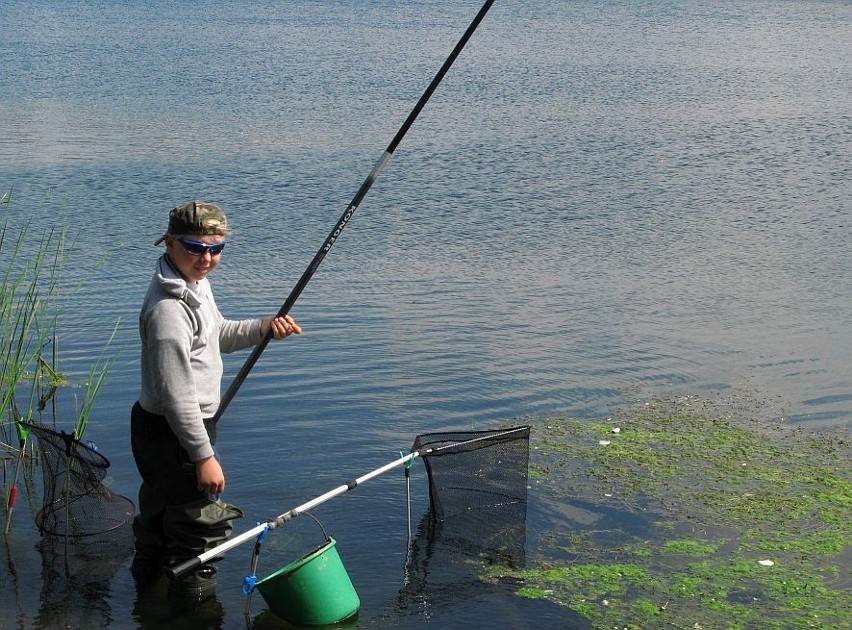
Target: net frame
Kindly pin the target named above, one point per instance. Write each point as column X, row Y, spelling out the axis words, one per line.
column 475, row 470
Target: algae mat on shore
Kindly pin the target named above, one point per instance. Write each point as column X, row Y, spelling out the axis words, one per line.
column 682, row 515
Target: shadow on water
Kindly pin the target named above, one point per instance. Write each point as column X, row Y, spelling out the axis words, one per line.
column 444, row 585
column 77, row 578
column 153, row 609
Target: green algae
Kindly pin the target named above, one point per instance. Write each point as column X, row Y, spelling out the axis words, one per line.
column 725, row 522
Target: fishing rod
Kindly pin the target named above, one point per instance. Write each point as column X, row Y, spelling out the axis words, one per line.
column 216, row 552
column 350, row 210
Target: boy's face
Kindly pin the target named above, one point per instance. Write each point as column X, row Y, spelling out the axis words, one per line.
column 192, row 266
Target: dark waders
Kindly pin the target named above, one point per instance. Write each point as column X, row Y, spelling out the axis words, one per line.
column 176, row 521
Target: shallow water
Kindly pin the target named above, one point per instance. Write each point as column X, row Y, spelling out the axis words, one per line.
column 601, row 204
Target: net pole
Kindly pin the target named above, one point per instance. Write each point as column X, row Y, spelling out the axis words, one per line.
column 197, row 561
column 229, row 544
column 350, row 210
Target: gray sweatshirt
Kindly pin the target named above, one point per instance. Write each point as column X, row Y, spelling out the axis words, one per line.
column 183, row 334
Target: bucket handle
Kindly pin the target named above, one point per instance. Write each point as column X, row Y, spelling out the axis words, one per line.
column 250, row 580
column 316, row 520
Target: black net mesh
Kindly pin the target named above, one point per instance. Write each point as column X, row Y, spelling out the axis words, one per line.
column 472, row 470
column 478, row 491
column 75, row 502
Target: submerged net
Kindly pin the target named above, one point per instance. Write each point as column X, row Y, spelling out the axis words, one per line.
column 87, row 532
column 75, row 502
column 477, row 517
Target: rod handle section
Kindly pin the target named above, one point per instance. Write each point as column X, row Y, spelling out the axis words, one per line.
column 184, row 567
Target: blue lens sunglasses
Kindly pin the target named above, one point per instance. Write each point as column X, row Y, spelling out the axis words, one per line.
column 194, row 248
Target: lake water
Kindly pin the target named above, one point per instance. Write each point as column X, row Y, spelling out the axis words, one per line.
column 602, row 203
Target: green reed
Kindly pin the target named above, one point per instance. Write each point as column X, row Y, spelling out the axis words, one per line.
column 29, row 311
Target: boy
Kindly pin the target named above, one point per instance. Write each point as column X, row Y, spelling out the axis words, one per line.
column 172, row 437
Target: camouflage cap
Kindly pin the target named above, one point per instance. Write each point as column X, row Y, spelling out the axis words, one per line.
column 196, row 217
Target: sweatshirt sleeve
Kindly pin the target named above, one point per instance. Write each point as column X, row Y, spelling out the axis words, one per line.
column 168, row 338
column 238, row 334
column 235, row 334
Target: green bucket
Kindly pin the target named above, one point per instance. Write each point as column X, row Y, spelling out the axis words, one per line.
column 312, row 591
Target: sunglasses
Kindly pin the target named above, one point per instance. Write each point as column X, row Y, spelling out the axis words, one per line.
column 194, row 248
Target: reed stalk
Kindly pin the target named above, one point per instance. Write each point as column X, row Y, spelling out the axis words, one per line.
column 27, row 311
